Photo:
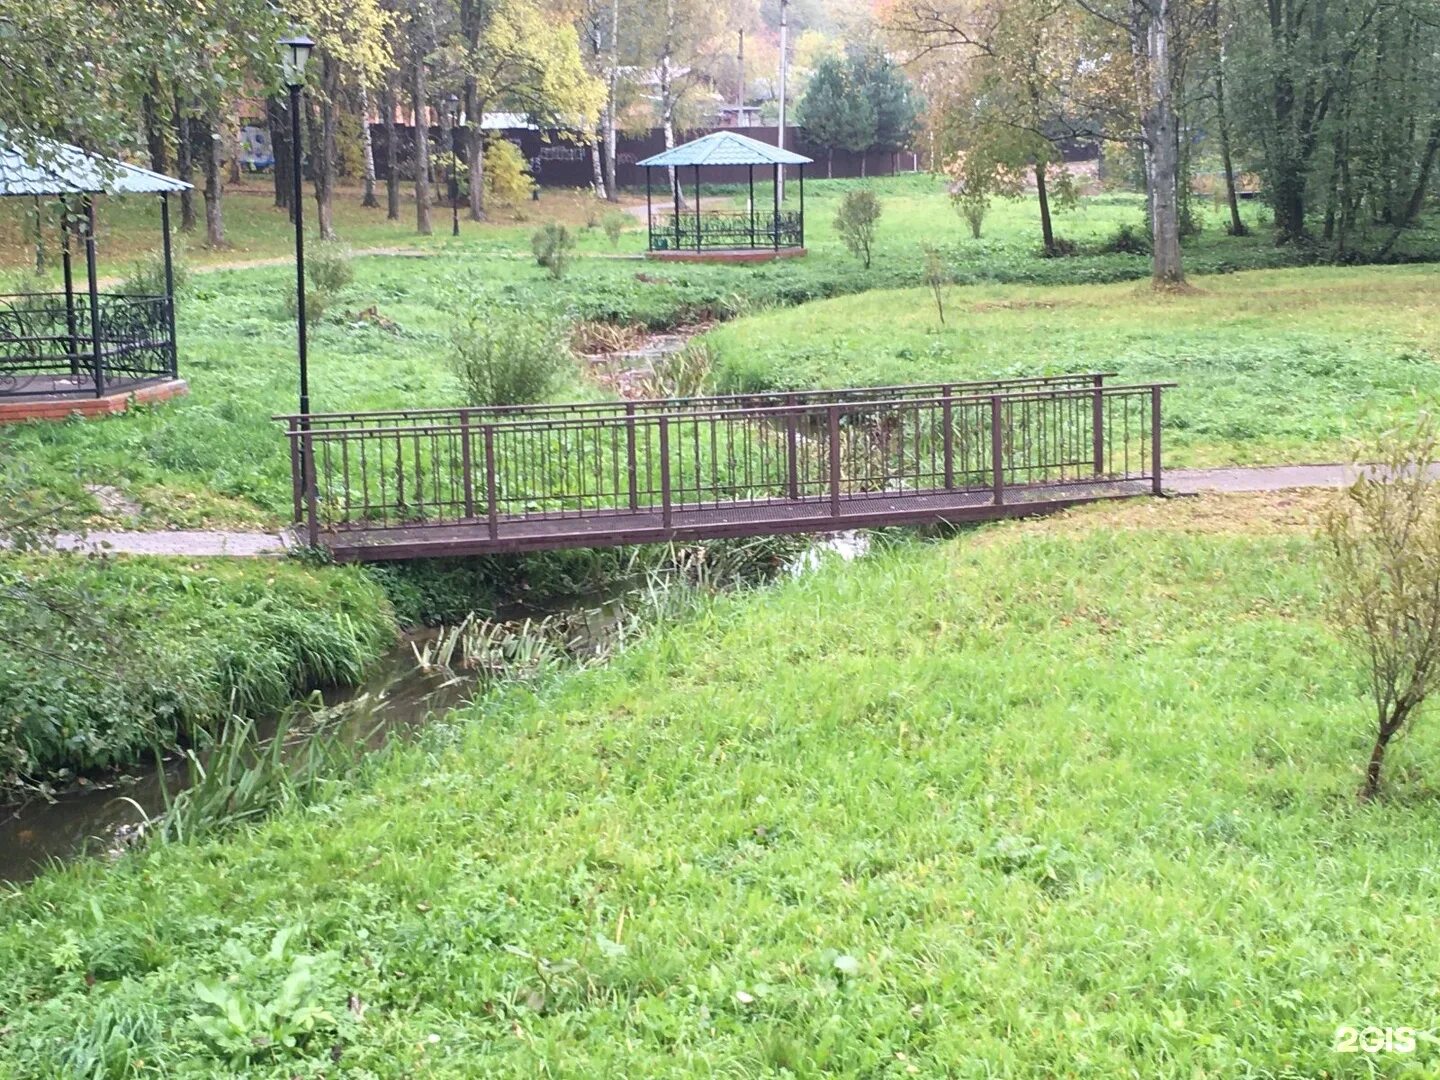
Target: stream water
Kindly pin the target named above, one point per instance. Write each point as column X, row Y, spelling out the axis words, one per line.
column 95, row 817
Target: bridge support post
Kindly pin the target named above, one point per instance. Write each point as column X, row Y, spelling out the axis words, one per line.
column 834, row 418
column 792, row 451
column 997, row 453
column 1097, row 426
column 307, row 480
column 492, row 513
column 1155, row 484
column 297, row 478
column 947, row 417
column 630, row 467
column 467, row 470
column 665, row 473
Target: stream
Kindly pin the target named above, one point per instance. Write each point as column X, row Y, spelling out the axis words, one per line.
column 97, row 817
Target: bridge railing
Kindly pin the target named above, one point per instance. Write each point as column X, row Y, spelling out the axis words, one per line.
column 810, row 461
column 763, row 399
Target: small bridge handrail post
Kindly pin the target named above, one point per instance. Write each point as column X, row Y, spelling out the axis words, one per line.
column 467, row 470
column 665, row 473
column 307, row 480
column 834, row 424
column 1097, row 425
column 297, row 478
column 631, row 468
column 1155, row 484
column 492, row 512
column 792, row 451
column 997, row 450
column 947, row 418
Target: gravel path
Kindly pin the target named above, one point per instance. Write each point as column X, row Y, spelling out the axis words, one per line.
column 208, row 544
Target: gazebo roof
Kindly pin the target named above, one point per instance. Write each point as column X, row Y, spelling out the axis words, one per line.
column 61, row 169
column 726, row 148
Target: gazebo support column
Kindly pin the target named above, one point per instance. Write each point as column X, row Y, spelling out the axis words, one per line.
column 170, row 279
column 802, row 206
column 697, row 208
column 675, row 191
column 649, row 214
column 775, row 220
column 97, row 356
column 72, row 332
column 751, row 205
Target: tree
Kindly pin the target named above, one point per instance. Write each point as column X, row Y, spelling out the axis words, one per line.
column 516, row 55
column 351, row 38
column 1383, row 538
column 834, row 113
column 892, row 95
column 855, row 222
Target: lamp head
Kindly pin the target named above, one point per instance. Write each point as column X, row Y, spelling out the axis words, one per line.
column 294, row 52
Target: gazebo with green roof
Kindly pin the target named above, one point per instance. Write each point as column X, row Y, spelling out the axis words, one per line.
column 725, row 235
column 92, row 352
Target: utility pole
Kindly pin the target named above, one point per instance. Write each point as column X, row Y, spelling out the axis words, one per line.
column 784, row 68
column 740, row 96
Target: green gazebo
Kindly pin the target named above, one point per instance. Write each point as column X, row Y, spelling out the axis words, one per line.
column 725, row 235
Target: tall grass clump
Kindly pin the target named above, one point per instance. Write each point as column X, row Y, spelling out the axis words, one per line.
column 505, row 356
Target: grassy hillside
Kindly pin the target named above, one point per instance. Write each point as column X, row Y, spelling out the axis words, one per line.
column 1061, row 798
column 1271, row 365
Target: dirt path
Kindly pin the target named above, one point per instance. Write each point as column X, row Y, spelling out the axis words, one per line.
column 207, row 544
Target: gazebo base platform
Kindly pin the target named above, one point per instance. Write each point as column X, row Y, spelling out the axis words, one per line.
column 59, row 405
column 727, row 255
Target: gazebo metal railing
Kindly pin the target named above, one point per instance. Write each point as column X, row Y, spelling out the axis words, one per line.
column 725, row 229
column 47, row 346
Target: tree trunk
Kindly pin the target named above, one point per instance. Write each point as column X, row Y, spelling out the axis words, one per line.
column 475, row 150
column 183, row 169
column 612, row 177
column 214, row 215
column 237, row 147
column 667, row 100
column 320, row 119
column 1159, row 126
column 1427, row 163
column 419, row 92
column 1237, row 226
column 595, row 155
column 1047, row 229
column 154, row 125
column 367, row 145
column 829, row 163
column 277, row 116
column 392, row 149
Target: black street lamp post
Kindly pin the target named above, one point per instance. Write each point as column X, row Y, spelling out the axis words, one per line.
column 296, row 53
column 452, row 107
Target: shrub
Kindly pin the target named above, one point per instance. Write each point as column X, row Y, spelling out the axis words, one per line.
column 1060, row 248
column 317, row 303
column 502, row 356
column 329, row 267
column 147, row 273
column 552, row 244
column 507, row 181
column 1126, row 240
column 614, row 224
column 855, row 222
column 973, row 211
column 1383, row 538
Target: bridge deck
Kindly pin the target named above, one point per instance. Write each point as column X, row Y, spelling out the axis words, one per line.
column 769, row 517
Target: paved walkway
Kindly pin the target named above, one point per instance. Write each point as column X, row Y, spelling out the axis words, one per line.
column 207, row 544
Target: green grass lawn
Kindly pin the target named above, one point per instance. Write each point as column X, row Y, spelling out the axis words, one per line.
column 1066, row 799
column 1279, row 365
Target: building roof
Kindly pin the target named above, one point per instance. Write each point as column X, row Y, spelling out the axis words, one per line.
column 726, row 148
column 56, row 168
